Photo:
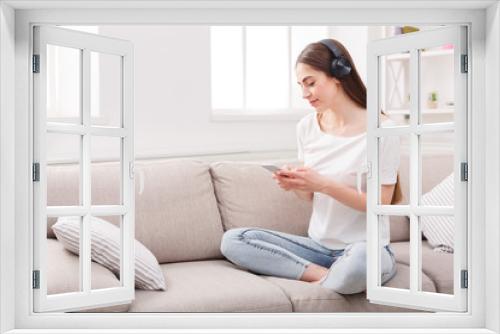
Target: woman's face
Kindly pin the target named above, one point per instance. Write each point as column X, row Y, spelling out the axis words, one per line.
column 317, row 88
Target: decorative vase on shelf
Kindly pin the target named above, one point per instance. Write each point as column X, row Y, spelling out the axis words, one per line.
column 432, row 101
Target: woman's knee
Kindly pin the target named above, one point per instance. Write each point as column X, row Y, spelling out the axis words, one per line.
column 350, row 270
column 230, row 240
column 357, row 251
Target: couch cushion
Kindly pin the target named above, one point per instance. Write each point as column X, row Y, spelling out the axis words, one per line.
column 59, row 260
column 176, row 214
column 211, row 286
column 308, row 297
column 106, row 249
column 400, row 228
column 437, row 266
column 249, row 197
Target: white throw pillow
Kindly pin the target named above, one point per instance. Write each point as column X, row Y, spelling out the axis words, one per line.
column 439, row 230
column 105, row 250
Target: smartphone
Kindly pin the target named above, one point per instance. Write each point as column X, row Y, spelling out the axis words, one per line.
column 273, row 169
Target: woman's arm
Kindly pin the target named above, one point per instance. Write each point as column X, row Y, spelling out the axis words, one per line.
column 308, row 180
column 350, row 196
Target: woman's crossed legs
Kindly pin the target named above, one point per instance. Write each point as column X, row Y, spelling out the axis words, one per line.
column 274, row 253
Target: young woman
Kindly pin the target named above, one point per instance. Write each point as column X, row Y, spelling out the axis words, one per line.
column 332, row 147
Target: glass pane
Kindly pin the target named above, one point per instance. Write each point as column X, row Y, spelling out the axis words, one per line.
column 395, row 226
column 394, row 88
column 267, row 72
column 63, row 262
column 436, row 165
column 226, row 57
column 437, row 253
column 301, row 37
column 394, row 151
column 106, row 170
column 106, row 89
column 63, row 169
column 63, row 84
column 437, row 84
column 106, row 251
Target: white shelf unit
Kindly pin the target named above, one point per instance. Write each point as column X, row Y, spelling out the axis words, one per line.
column 436, row 76
column 438, row 111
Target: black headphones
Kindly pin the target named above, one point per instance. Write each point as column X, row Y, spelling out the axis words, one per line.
column 340, row 66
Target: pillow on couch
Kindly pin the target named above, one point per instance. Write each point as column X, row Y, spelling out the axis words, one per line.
column 439, row 230
column 105, row 250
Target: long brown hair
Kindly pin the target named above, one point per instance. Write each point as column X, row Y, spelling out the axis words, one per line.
column 320, row 57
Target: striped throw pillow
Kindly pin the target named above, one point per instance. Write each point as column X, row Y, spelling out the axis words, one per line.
column 105, row 250
column 439, row 230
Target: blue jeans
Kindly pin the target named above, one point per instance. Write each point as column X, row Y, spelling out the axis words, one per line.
column 273, row 253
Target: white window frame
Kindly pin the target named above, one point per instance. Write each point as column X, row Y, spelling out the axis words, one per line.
column 86, row 43
column 414, row 43
column 484, row 20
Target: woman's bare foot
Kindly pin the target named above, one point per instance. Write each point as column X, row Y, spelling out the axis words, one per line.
column 314, row 273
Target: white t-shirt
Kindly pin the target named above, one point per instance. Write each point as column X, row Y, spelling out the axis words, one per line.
column 333, row 224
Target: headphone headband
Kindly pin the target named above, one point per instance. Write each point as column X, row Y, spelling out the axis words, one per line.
column 340, row 66
column 332, row 47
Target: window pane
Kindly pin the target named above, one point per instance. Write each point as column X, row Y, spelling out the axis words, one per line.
column 226, row 56
column 401, row 250
column 63, row 84
column 437, row 83
column 63, row 169
column 267, row 67
column 394, row 87
column 106, row 170
column 63, row 262
column 394, row 150
column 106, row 250
column 437, row 251
column 436, row 166
column 106, row 89
column 301, row 37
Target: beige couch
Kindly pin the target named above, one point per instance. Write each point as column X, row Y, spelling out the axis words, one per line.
column 183, row 208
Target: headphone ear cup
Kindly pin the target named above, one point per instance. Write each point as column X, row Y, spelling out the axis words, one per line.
column 340, row 67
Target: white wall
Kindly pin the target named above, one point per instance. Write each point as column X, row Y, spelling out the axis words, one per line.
column 172, row 96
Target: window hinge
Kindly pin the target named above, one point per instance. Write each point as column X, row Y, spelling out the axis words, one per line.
column 36, row 63
column 36, row 172
column 465, row 66
column 464, row 171
column 369, row 170
column 36, row 279
column 465, row 279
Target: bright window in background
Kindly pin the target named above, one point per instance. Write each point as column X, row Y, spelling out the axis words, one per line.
column 253, row 67
column 62, row 88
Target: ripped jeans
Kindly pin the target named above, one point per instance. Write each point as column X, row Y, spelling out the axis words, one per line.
column 274, row 253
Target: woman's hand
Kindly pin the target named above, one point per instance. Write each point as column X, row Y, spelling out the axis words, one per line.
column 281, row 180
column 301, row 178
